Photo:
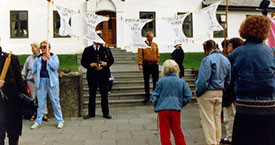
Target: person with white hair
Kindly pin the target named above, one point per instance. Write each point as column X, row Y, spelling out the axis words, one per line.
column 170, row 95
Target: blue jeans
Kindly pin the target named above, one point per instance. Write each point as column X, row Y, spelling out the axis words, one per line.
column 53, row 93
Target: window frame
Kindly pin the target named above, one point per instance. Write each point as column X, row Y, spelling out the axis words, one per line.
column 147, row 25
column 183, row 24
column 27, row 23
column 220, row 34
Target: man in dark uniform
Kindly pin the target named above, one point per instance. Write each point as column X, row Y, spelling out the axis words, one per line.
column 10, row 103
column 97, row 59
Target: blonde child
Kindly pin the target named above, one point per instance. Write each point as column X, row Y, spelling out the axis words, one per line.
column 170, row 95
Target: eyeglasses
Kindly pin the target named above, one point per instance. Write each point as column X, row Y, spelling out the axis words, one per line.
column 43, row 47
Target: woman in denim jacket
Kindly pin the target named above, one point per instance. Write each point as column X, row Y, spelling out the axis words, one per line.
column 254, row 79
column 170, row 95
column 47, row 83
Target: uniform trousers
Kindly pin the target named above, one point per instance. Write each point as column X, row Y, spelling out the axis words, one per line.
column 94, row 82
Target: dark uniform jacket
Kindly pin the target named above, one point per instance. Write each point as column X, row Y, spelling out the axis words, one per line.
column 10, row 112
column 90, row 55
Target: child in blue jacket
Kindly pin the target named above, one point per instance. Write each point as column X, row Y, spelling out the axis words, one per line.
column 170, row 95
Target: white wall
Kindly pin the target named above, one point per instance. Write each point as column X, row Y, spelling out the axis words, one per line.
column 37, row 16
column 37, row 24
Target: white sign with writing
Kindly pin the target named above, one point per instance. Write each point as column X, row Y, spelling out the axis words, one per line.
column 65, row 15
column 209, row 13
column 93, row 20
column 136, row 26
column 176, row 25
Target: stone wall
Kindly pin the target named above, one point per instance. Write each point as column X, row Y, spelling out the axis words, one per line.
column 70, row 96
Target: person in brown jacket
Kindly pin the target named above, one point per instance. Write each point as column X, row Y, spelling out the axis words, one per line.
column 148, row 61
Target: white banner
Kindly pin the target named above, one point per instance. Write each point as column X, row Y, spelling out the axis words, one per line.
column 176, row 25
column 209, row 13
column 136, row 26
column 93, row 20
column 65, row 15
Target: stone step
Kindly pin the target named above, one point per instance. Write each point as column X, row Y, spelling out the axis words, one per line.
column 139, row 75
column 124, row 55
column 132, row 83
column 125, row 59
column 122, row 89
column 119, row 96
column 125, row 62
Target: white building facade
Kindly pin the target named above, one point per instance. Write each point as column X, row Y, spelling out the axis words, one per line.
column 25, row 21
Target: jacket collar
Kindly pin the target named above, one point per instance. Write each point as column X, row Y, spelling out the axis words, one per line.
column 171, row 74
column 215, row 51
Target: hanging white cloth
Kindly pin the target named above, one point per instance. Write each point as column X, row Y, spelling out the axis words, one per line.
column 65, row 16
column 176, row 25
column 136, row 26
column 93, row 20
column 209, row 13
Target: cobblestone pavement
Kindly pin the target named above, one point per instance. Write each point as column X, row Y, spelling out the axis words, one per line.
column 135, row 125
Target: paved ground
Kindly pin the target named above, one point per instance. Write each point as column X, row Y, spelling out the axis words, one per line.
column 135, row 125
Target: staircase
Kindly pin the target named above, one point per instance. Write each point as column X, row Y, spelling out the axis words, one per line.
column 128, row 87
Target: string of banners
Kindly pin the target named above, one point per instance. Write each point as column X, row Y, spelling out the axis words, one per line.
column 136, row 25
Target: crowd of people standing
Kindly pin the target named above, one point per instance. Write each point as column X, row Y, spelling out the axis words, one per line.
column 240, row 80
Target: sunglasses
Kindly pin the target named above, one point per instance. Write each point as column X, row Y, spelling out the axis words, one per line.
column 43, row 47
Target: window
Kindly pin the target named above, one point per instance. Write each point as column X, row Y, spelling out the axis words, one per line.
column 221, row 20
column 19, row 24
column 56, row 25
column 187, row 26
column 151, row 26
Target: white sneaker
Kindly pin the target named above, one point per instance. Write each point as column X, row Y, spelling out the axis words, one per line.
column 60, row 125
column 34, row 126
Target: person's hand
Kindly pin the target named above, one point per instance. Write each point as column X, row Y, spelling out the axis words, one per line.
column 140, row 67
column 103, row 63
column 2, row 83
column 48, row 55
column 99, row 68
column 37, row 88
column 93, row 64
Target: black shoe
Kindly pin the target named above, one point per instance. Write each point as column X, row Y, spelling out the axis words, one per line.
column 88, row 116
column 223, row 141
column 107, row 116
column 145, row 101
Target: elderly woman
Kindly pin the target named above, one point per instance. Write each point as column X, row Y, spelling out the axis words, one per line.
column 27, row 76
column 254, row 80
column 47, row 83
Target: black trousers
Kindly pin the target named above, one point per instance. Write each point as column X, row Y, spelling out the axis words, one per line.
column 101, row 82
column 150, row 69
column 13, row 139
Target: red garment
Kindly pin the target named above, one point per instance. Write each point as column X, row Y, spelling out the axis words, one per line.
column 169, row 119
